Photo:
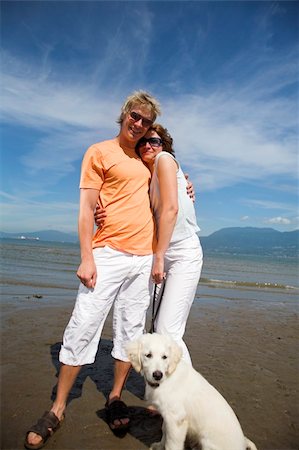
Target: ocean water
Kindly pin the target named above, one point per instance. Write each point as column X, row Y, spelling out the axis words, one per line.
column 46, row 271
column 261, row 280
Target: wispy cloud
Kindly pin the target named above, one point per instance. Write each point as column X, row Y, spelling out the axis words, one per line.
column 232, row 135
column 42, row 104
column 224, row 136
column 268, row 204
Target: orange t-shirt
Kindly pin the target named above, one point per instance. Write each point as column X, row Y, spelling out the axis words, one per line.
column 123, row 181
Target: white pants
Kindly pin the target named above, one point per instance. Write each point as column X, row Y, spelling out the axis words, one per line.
column 122, row 279
column 183, row 264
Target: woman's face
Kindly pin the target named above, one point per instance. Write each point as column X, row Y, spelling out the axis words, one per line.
column 149, row 147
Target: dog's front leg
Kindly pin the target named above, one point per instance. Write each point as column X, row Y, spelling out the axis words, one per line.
column 157, row 446
column 160, row 445
column 175, row 432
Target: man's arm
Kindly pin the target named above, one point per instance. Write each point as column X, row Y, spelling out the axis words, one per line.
column 190, row 188
column 100, row 212
column 87, row 271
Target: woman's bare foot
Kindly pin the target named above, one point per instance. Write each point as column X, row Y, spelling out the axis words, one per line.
column 153, row 410
column 117, row 414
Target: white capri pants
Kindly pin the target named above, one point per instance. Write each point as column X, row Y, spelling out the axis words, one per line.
column 182, row 264
column 122, row 279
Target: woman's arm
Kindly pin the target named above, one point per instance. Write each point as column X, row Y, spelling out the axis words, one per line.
column 167, row 176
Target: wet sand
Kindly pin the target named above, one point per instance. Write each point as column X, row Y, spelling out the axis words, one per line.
column 247, row 350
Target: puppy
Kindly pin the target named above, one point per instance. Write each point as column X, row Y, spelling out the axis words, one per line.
column 191, row 407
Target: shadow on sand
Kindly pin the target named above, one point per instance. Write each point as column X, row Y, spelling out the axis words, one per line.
column 144, row 426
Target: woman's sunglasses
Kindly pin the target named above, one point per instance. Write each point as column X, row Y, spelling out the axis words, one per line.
column 153, row 142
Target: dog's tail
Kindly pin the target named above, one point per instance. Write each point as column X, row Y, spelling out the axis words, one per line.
column 249, row 445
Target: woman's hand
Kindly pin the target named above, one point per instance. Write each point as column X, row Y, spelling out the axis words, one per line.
column 158, row 273
column 100, row 216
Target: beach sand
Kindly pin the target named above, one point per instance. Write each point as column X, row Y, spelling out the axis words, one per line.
column 248, row 351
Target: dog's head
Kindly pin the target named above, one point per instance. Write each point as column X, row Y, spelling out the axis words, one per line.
column 155, row 356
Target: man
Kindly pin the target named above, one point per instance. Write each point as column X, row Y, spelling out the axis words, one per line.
column 115, row 262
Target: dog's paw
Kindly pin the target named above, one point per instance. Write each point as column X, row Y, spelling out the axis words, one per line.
column 157, row 446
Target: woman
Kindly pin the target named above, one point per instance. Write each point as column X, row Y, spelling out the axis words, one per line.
column 178, row 255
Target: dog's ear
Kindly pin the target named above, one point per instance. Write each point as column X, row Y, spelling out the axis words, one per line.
column 175, row 356
column 133, row 352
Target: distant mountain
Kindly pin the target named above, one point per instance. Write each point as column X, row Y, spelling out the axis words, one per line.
column 249, row 240
column 240, row 240
column 42, row 235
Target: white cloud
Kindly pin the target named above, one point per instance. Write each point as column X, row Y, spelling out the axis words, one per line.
column 278, row 220
column 244, row 218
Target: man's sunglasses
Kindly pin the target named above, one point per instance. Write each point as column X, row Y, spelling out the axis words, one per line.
column 136, row 117
column 153, row 142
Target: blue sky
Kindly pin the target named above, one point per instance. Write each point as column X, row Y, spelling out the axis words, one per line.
column 226, row 75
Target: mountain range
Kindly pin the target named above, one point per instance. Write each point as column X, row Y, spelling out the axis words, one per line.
column 250, row 240
column 237, row 240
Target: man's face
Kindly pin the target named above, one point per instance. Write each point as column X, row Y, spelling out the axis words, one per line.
column 136, row 123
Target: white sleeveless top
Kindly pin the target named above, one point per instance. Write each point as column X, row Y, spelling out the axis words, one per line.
column 186, row 225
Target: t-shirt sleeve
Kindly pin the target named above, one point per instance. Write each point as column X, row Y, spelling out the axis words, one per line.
column 92, row 170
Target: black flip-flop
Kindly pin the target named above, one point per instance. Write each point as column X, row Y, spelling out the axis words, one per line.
column 117, row 410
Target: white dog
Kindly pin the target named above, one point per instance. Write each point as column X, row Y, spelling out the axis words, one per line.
column 190, row 406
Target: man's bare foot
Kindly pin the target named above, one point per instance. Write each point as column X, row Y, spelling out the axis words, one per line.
column 43, row 429
column 33, row 438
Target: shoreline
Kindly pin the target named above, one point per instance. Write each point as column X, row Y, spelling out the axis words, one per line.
column 247, row 350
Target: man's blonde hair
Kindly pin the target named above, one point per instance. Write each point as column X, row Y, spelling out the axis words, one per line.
column 140, row 98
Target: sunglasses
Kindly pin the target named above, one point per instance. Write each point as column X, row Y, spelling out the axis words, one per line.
column 135, row 117
column 153, row 142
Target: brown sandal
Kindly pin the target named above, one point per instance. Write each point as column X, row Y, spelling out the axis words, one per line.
column 45, row 428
